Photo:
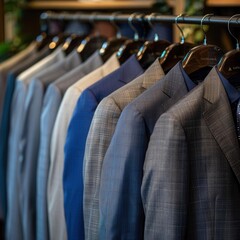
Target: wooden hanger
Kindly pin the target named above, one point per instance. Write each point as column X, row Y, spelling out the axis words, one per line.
column 203, row 56
column 57, row 41
column 130, row 47
column 71, row 43
column 229, row 65
column 112, row 45
column 176, row 51
column 89, row 45
column 150, row 51
column 43, row 40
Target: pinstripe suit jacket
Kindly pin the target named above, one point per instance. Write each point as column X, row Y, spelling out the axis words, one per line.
column 190, row 188
column 120, row 190
column 101, row 131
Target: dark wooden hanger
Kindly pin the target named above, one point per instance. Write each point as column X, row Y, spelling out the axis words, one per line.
column 130, row 46
column 71, row 43
column 57, row 41
column 42, row 40
column 89, row 45
column 151, row 50
column 229, row 65
column 203, row 56
column 173, row 54
column 112, row 45
column 176, row 51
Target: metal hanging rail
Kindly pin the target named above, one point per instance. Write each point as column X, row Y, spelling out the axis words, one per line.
column 140, row 17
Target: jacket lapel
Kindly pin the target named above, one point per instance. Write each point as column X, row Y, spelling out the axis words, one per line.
column 218, row 116
column 173, row 86
column 152, row 75
column 129, row 70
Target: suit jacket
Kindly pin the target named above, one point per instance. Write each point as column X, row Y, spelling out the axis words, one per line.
column 57, row 224
column 51, row 104
column 100, row 135
column 77, row 133
column 4, row 126
column 31, row 137
column 8, row 65
column 16, row 144
column 191, row 178
column 121, row 207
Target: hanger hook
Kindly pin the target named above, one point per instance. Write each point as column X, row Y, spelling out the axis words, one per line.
column 230, row 32
column 92, row 17
column 92, row 21
column 179, row 28
column 204, row 32
column 130, row 19
column 112, row 20
column 149, row 19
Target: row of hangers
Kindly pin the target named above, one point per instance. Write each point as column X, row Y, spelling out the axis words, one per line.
column 194, row 58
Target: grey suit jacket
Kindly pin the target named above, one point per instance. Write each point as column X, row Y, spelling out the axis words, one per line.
column 101, row 131
column 121, row 209
column 5, row 120
column 191, row 178
column 7, row 66
column 24, row 106
column 51, row 104
column 14, row 226
column 31, row 137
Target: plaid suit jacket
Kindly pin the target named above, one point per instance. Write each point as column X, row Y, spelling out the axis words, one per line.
column 190, row 187
column 100, row 134
column 121, row 209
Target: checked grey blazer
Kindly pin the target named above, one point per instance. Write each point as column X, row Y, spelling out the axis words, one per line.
column 100, row 135
column 190, row 187
column 121, row 210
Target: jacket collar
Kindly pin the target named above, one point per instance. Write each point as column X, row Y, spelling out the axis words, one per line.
column 152, row 74
column 218, row 116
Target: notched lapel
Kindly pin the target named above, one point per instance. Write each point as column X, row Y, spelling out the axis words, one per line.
column 130, row 70
column 174, row 84
column 218, row 117
column 154, row 72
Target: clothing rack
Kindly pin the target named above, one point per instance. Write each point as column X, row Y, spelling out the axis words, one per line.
column 208, row 20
